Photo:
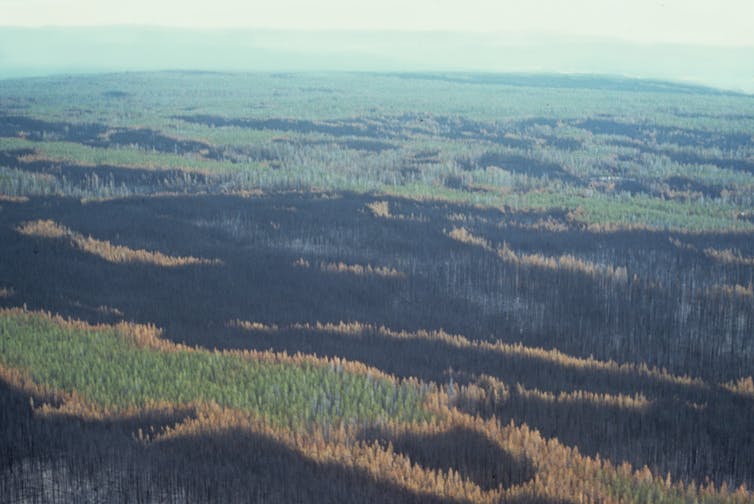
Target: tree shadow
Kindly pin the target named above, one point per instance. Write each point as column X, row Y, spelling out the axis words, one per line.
column 683, row 157
column 690, row 441
column 665, row 134
column 335, row 128
column 98, row 135
column 447, row 285
column 467, row 452
column 117, row 178
column 523, row 165
column 260, row 239
column 66, row 458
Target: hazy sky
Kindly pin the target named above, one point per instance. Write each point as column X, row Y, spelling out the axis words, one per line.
column 713, row 22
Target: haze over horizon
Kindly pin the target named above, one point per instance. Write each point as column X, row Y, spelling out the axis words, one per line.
column 699, row 42
column 696, row 22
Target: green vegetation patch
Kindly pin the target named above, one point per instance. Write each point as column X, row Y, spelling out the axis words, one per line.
column 641, row 210
column 591, row 207
column 127, row 157
column 105, row 369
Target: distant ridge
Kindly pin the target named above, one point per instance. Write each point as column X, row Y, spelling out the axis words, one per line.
column 569, row 61
column 570, row 81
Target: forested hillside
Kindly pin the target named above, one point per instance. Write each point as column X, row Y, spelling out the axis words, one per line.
column 375, row 287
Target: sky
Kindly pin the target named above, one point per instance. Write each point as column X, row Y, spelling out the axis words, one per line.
column 697, row 22
column 708, row 42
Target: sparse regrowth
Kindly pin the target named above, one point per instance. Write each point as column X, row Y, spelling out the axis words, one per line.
column 365, row 287
column 104, row 249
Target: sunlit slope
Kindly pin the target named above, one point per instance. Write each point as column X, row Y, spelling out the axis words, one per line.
column 104, row 374
column 613, row 153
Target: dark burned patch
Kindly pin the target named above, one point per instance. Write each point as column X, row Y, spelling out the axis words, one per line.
column 688, row 158
column 340, row 128
column 454, row 182
column 527, row 127
column 99, row 135
column 52, row 432
column 427, row 156
column 194, row 306
column 678, row 183
column 251, row 153
column 569, row 144
column 412, row 165
column 666, row 135
column 532, row 218
column 150, row 139
column 375, row 127
column 10, row 158
column 520, row 164
column 410, row 172
column 37, row 130
column 459, row 128
column 15, row 107
column 416, row 160
column 228, row 464
column 513, row 142
column 469, row 453
column 610, row 127
column 220, row 466
column 138, row 180
column 366, row 145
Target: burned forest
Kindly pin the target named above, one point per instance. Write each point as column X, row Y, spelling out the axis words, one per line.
column 349, row 287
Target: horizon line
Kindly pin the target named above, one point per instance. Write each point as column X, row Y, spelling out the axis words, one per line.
column 50, row 72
